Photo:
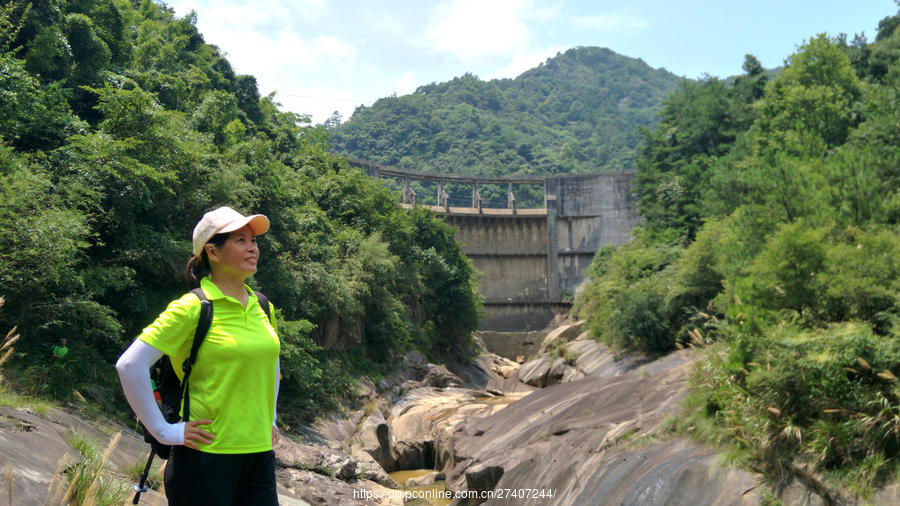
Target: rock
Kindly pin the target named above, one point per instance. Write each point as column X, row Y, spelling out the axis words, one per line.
column 595, row 359
column 534, row 372
column 557, row 369
column 330, row 461
column 316, row 458
column 439, row 377
column 364, row 389
column 572, row 374
column 340, row 334
column 482, row 478
column 410, row 454
column 491, row 372
column 424, row 481
column 374, row 439
column 408, row 385
column 316, row 488
column 371, row 470
column 573, row 439
column 478, row 341
column 357, row 417
column 333, row 427
column 563, row 332
column 33, row 447
column 508, row 371
column 478, row 372
column 423, row 420
column 414, row 359
column 510, row 385
column 384, row 384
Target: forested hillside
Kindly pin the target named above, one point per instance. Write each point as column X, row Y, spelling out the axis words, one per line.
column 579, row 112
column 771, row 233
column 119, row 127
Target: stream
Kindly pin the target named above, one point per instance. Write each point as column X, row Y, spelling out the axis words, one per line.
column 434, row 488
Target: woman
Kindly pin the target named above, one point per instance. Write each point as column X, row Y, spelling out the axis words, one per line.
column 223, row 455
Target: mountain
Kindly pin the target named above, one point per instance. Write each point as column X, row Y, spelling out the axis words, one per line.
column 578, row 112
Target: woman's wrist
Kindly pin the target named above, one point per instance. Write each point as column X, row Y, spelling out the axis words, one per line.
column 171, row 434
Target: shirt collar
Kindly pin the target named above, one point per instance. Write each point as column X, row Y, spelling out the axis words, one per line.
column 213, row 292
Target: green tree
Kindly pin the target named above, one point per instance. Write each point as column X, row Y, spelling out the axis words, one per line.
column 817, row 92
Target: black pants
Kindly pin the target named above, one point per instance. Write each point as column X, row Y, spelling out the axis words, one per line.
column 197, row 478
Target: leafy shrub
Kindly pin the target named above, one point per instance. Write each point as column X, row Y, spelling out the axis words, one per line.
column 626, row 304
column 827, row 397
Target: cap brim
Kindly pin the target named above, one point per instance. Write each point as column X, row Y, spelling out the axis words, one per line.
column 259, row 224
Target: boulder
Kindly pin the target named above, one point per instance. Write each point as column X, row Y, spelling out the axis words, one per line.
column 315, row 458
column 482, row 478
column 572, row 374
column 563, row 332
column 329, row 461
column 439, row 377
column 374, row 439
column 424, row 481
column 557, row 370
column 316, row 488
column 364, row 389
column 534, row 372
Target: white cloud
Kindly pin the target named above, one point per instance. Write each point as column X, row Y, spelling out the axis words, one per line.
column 406, row 83
column 475, row 29
column 313, row 9
column 609, row 22
column 332, row 51
column 319, row 102
column 389, row 25
column 257, row 13
column 524, row 60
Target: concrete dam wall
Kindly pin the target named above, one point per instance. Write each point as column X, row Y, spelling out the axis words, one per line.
column 532, row 260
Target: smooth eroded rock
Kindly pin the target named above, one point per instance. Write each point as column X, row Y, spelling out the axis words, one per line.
column 534, row 372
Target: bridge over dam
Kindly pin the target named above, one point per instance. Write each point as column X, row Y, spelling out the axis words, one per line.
column 531, row 259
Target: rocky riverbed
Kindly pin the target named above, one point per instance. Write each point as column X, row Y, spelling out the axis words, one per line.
column 575, row 425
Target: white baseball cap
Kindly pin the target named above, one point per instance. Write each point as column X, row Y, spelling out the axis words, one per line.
column 222, row 221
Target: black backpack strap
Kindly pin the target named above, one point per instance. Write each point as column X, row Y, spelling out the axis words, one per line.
column 203, row 323
column 264, row 303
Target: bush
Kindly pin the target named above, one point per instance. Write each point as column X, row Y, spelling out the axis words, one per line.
column 827, row 397
column 625, row 300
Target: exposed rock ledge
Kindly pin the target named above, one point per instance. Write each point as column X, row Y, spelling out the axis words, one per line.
column 595, row 441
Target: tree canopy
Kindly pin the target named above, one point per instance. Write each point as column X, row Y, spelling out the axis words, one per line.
column 119, row 127
column 578, row 112
column 771, row 226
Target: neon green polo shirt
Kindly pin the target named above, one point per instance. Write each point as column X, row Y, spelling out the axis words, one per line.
column 233, row 379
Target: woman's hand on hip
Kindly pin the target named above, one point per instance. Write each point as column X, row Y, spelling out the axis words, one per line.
column 193, row 434
column 275, row 435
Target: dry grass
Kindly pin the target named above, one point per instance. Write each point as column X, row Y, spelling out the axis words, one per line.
column 89, row 482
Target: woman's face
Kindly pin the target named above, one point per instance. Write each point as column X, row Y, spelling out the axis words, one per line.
column 238, row 256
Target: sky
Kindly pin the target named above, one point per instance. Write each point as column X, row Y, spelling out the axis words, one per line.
column 322, row 56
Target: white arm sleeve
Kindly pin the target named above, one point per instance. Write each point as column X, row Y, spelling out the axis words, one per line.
column 134, row 374
column 277, row 384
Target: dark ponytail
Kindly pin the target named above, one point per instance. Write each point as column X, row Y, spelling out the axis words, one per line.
column 197, row 267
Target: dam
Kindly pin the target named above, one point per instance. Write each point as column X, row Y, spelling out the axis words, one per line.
column 533, row 259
